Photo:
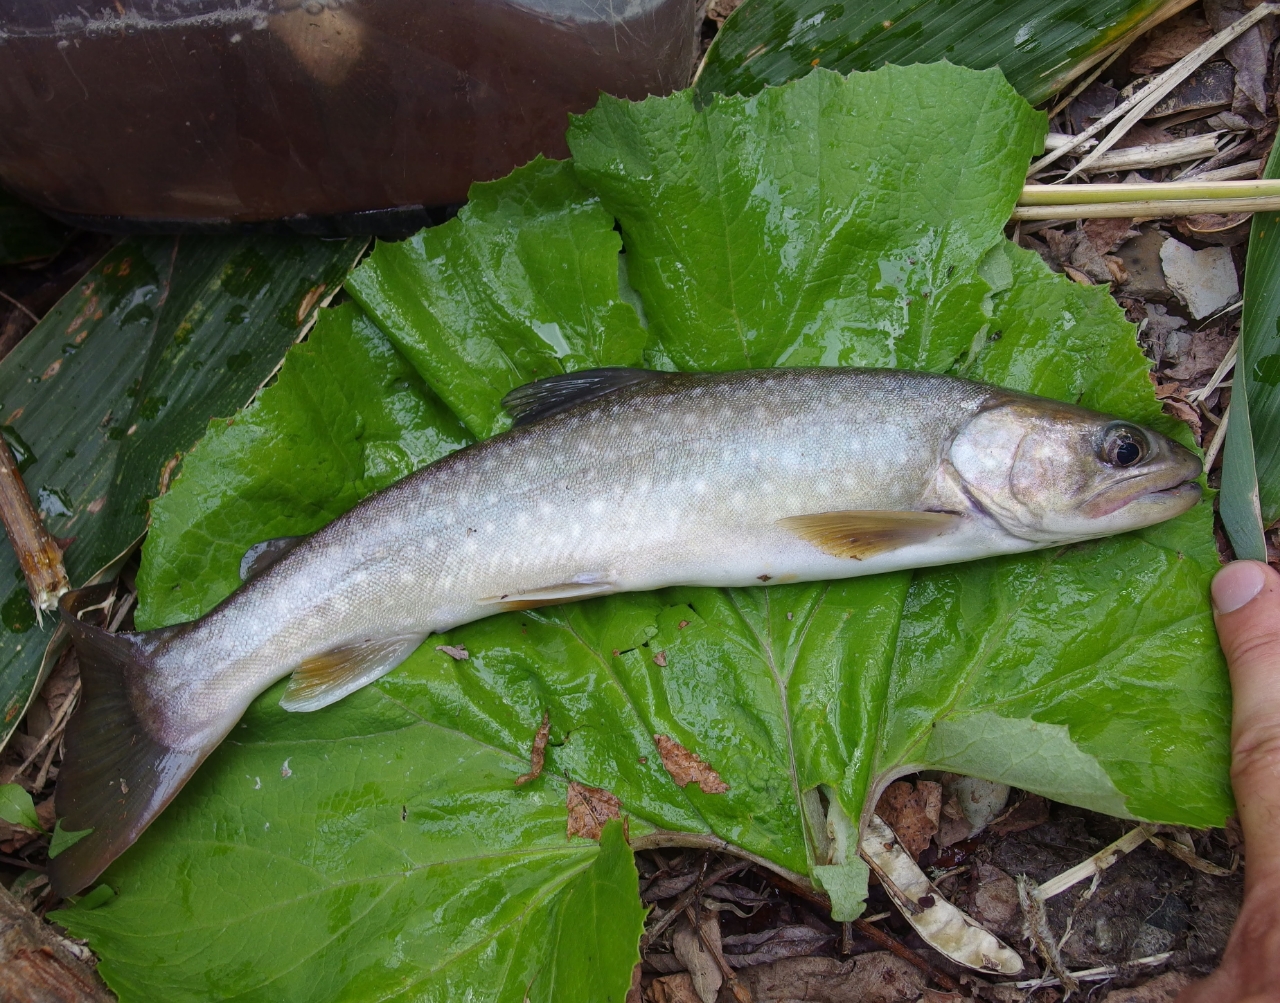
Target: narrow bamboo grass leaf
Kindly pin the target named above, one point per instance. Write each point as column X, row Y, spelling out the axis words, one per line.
column 1250, row 496
column 1040, row 47
column 26, row 234
column 121, row 377
column 381, row 849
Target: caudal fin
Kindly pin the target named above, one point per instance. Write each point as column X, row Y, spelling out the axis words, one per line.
column 115, row 777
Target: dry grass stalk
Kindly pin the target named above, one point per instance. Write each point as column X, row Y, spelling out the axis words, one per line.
column 1132, row 110
column 1099, row 862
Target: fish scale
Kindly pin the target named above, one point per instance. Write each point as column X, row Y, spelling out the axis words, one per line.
column 612, row 480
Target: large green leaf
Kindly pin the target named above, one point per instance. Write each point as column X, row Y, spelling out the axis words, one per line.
column 1038, row 45
column 121, row 377
column 522, row 285
column 1250, row 498
column 1089, row 673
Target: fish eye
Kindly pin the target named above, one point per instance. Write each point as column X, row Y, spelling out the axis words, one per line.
column 1123, row 446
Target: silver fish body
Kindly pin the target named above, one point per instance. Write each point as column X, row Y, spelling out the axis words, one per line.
column 632, row 481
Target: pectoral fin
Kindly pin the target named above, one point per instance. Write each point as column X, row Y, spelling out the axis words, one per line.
column 583, row 586
column 331, row 675
column 863, row 534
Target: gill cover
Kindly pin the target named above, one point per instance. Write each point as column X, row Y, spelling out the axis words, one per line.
column 1052, row 472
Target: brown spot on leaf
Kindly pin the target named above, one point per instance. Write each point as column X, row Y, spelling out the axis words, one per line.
column 309, row 301
column 660, row 659
column 52, row 370
column 589, row 809
column 458, row 652
column 538, row 756
column 686, row 768
column 912, row 812
column 166, row 473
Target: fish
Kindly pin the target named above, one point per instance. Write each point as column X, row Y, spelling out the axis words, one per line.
column 609, row 480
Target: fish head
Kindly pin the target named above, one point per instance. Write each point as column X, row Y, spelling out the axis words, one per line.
column 1053, row 472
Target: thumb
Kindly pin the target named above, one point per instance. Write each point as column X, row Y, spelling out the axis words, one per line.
column 1246, row 599
column 1246, row 602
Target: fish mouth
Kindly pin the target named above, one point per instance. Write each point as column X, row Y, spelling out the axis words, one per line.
column 1168, row 502
column 1173, row 481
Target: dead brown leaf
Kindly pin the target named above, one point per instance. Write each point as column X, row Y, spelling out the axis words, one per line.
column 912, row 813
column 1077, row 276
column 1163, row 989
column 538, row 755
column 1107, row 234
column 674, row 989
column 589, row 809
column 687, row 768
column 1026, row 814
column 1197, row 362
column 697, row 956
column 995, row 904
column 1165, row 47
column 877, row 977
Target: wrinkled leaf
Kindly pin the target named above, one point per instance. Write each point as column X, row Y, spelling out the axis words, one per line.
column 1250, row 498
column 1039, row 46
column 521, row 285
column 1096, row 664
column 121, row 377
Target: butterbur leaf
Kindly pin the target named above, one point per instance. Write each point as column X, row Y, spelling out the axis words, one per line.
column 522, row 284
column 769, row 718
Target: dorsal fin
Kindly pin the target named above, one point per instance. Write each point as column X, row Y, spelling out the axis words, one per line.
column 262, row 555
column 543, row 398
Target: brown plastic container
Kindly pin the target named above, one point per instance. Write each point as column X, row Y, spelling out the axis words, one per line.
column 332, row 116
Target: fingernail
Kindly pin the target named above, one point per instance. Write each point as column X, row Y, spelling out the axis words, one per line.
column 1236, row 584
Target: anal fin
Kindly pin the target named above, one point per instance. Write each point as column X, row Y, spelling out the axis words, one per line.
column 329, row 676
column 584, row 586
column 862, row 534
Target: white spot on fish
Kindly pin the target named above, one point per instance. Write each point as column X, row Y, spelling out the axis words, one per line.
column 284, row 770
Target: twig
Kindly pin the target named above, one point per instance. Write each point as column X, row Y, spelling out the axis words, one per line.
column 1080, row 87
column 866, row 929
column 906, row 954
column 55, row 727
column 1180, row 852
column 1219, row 437
column 740, row 992
column 20, row 305
column 1224, row 367
column 1036, row 926
column 1094, row 974
column 19, row 862
column 1145, row 99
column 1148, row 155
column 1150, row 95
column 1100, row 861
column 692, row 893
column 36, row 549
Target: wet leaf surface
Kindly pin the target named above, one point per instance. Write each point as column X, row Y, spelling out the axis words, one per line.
column 768, row 42
column 1088, row 673
column 122, row 376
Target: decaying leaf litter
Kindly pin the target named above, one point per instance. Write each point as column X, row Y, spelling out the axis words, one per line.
column 1188, row 355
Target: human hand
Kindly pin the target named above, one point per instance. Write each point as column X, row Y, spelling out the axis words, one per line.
column 1246, row 600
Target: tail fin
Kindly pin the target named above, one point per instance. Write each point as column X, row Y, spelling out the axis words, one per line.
column 115, row 777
